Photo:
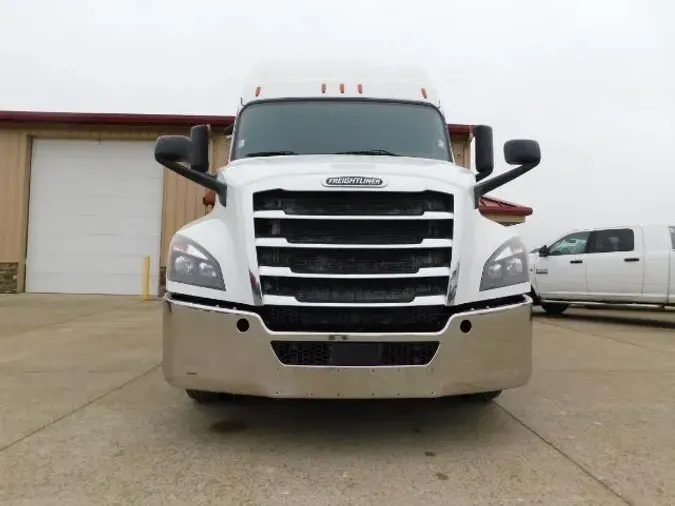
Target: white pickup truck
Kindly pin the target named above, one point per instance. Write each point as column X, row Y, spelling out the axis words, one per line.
column 613, row 265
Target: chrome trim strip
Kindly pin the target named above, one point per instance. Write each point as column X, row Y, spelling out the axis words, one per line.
column 279, row 300
column 286, row 272
column 283, row 243
column 431, row 215
column 256, row 289
column 452, row 285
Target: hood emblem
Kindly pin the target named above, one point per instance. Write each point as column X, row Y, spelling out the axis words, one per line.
column 355, row 181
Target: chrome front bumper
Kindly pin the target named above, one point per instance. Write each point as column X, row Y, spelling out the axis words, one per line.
column 204, row 350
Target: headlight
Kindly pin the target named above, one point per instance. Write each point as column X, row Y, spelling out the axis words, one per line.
column 191, row 264
column 507, row 266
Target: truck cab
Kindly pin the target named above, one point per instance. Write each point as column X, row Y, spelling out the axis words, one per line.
column 345, row 256
column 610, row 265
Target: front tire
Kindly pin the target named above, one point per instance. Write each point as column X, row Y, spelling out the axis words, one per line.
column 554, row 308
column 485, row 396
column 203, row 397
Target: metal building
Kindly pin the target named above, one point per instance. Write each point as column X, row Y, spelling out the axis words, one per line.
column 96, row 173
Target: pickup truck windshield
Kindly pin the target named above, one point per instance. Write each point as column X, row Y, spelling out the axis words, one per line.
column 303, row 127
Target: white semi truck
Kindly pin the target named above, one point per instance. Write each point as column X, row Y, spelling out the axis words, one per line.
column 345, row 256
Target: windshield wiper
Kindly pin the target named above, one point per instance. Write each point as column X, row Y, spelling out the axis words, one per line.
column 381, row 152
column 271, row 153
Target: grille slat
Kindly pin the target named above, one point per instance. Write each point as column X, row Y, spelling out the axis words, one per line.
column 353, row 203
column 332, row 290
column 354, row 231
column 354, row 261
column 350, row 354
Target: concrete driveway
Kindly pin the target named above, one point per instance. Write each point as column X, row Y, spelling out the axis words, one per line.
column 86, row 419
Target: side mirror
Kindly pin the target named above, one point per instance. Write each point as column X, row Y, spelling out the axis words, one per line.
column 189, row 157
column 173, row 148
column 543, row 251
column 193, row 150
column 522, row 152
column 485, row 159
column 199, row 136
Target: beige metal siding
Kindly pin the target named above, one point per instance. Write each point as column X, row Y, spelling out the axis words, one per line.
column 221, row 152
column 505, row 219
column 13, row 193
column 461, row 148
column 182, row 204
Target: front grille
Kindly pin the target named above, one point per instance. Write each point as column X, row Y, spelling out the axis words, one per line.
column 340, row 290
column 364, row 354
column 355, row 319
column 354, row 261
column 353, row 203
column 299, row 231
column 371, row 247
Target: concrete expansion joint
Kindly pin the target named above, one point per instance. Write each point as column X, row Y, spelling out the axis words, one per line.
column 73, row 411
column 614, row 340
column 559, row 451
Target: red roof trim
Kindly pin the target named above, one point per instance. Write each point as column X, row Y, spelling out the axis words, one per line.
column 491, row 205
column 88, row 118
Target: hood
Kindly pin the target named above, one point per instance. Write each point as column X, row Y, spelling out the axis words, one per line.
column 392, row 170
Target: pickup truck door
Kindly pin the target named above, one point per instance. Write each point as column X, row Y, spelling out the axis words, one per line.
column 615, row 264
column 562, row 273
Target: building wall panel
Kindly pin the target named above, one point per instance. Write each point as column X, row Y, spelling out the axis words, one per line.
column 221, row 152
column 13, row 192
column 459, row 148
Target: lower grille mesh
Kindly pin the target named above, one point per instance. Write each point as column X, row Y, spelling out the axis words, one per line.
column 355, row 319
column 365, row 354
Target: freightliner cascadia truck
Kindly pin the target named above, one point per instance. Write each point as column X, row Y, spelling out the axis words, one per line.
column 345, row 256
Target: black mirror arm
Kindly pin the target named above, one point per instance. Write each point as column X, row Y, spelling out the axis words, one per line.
column 493, row 183
column 206, row 180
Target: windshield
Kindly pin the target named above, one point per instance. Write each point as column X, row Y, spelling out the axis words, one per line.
column 305, row 127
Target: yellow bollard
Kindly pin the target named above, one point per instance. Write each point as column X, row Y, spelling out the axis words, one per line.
column 145, row 288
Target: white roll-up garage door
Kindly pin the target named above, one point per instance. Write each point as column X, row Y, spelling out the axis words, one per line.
column 95, row 211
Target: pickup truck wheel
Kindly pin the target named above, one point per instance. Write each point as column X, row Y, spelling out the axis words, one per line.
column 203, row 397
column 554, row 307
column 485, row 396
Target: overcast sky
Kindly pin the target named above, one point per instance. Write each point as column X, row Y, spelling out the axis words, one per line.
column 593, row 81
